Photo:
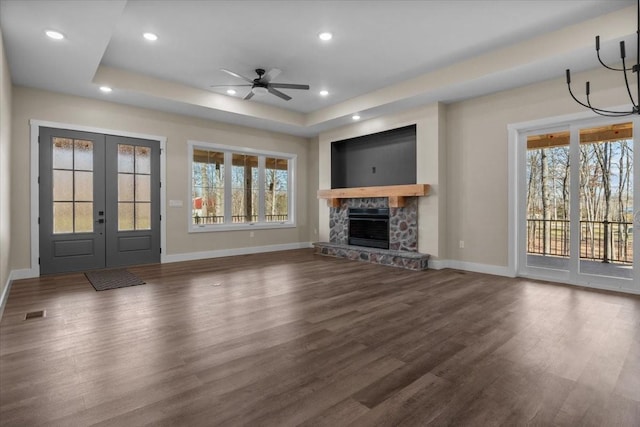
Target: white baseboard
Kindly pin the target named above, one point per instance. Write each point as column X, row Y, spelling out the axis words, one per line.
column 14, row 275
column 191, row 256
column 5, row 295
column 25, row 273
column 438, row 264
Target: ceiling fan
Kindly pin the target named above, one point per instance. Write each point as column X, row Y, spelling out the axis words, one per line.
column 262, row 84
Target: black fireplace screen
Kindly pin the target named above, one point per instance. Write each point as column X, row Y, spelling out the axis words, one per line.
column 369, row 227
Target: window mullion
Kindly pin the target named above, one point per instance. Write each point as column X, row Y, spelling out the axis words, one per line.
column 261, row 188
column 228, row 165
column 290, row 189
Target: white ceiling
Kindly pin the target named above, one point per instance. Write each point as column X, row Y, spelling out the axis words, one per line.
column 380, row 50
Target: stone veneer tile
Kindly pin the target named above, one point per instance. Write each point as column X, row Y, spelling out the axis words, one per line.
column 402, row 259
column 403, row 222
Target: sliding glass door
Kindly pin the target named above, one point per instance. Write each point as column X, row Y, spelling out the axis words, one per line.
column 576, row 207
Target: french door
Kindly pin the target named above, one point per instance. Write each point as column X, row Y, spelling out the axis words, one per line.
column 99, row 201
column 579, row 212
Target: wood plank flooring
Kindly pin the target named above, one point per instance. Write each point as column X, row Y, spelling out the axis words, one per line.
column 292, row 338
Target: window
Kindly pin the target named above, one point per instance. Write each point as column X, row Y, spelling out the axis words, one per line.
column 235, row 188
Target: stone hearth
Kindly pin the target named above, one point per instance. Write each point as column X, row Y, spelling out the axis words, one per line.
column 403, row 259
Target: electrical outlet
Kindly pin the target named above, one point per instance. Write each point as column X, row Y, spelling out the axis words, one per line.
column 461, row 244
column 252, row 234
column 315, row 231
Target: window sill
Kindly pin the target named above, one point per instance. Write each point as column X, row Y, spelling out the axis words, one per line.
column 239, row 227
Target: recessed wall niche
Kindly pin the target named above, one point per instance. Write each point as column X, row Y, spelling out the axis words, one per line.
column 383, row 158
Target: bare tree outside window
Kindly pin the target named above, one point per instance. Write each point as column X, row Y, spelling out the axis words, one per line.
column 605, row 193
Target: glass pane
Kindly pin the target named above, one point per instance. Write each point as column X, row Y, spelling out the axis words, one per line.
column 143, row 216
column 62, row 185
column 548, row 200
column 84, row 217
column 606, row 200
column 84, row 186
column 244, row 184
column 208, row 205
column 143, row 160
column 208, row 187
column 125, row 158
column 62, row 153
column 276, row 189
column 62, row 217
column 83, row 155
column 125, row 187
column 143, row 188
column 125, row 217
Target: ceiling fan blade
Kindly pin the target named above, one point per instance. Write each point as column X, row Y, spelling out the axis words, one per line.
column 289, row 86
column 249, row 95
column 272, row 74
column 278, row 93
column 230, row 85
column 236, row 75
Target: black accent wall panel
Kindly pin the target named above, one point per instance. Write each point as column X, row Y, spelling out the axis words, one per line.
column 384, row 158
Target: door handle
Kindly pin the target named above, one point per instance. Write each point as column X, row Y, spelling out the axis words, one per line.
column 100, row 221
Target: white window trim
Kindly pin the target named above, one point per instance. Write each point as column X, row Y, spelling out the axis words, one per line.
column 227, row 226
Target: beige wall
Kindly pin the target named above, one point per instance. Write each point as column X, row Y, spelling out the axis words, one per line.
column 430, row 150
column 41, row 105
column 5, row 170
column 477, row 163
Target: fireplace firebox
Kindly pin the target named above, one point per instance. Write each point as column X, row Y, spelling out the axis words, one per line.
column 369, row 227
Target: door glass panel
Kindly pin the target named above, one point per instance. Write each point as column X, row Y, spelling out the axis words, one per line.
column 125, row 158
column 276, row 189
column 134, row 186
column 125, row 188
column 83, row 217
column 62, row 153
column 62, row 217
column 143, row 188
column 83, row 155
column 244, row 188
column 62, row 185
column 84, row 186
column 207, row 187
column 143, row 216
column 143, row 160
column 72, row 182
column 125, row 217
column 606, row 200
column 548, row 191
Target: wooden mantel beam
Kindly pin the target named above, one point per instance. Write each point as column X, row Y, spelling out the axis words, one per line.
column 395, row 193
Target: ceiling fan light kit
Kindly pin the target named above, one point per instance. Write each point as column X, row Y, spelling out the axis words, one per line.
column 259, row 90
column 635, row 103
column 263, row 84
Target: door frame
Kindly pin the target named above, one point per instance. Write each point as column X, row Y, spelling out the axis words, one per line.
column 35, row 188
column 516, row 169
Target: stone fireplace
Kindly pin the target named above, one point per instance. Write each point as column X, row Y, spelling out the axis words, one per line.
column 402, row 230
column 403, row 222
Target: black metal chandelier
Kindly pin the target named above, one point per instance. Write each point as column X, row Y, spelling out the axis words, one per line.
column 635, row 109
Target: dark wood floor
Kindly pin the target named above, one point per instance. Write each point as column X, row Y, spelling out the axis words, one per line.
column 293, row 338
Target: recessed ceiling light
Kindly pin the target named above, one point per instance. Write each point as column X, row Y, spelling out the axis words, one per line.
column 324, row 92
column 231, row 91
column 355, row 117
column 150, row 36
column 325, row 36
column 56, row 35
column 105, row 89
